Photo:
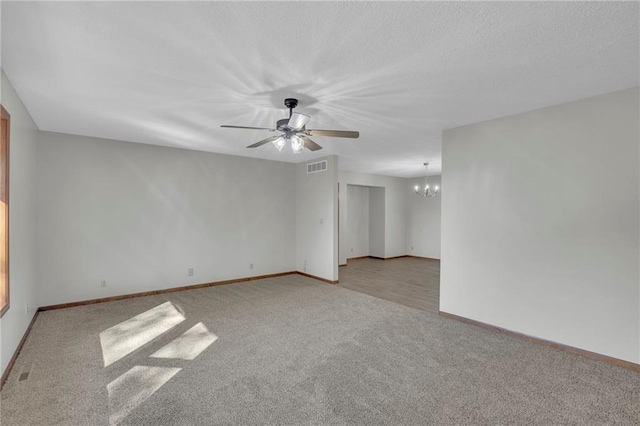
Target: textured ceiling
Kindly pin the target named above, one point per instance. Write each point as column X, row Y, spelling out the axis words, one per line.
column 172, row 73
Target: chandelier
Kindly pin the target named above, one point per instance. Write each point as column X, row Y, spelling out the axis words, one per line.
column 427, row 191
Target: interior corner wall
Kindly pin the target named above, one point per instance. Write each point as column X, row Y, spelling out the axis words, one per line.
column 423, row 220
column 317, row 220
column 22, row 223
column 540, row 228
column 357, row 226
column 394, row 210
column 140, row 216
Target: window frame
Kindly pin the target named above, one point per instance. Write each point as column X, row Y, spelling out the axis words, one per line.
column 5, row 298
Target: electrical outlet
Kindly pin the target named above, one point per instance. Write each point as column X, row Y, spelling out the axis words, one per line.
column 190, row 272
column 411, row 248
column 251, row 266
column 26, row 308
column 351, row 249
column 103, row 283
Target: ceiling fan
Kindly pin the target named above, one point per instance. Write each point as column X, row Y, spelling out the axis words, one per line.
column 294, row 130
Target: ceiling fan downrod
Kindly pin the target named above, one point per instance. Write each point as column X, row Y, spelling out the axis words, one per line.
column 290, row 103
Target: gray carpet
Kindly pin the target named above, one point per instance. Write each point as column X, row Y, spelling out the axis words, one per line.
column 291, row 350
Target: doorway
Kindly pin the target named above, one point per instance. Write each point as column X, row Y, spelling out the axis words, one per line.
column 407, row 279
column 363, row 232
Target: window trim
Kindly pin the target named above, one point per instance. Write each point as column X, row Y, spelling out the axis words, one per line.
column 4, row 152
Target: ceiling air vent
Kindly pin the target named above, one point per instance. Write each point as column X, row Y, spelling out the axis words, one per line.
column 320, row 166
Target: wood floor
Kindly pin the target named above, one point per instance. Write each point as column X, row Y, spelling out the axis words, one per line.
column 410, row 281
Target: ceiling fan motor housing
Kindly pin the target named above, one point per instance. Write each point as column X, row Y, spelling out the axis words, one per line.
column 282, row 125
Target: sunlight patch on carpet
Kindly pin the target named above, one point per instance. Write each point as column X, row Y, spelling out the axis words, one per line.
column 188, row 345
column 124, row 338
column 134, row 387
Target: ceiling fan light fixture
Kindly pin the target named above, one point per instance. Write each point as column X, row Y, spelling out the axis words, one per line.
column 297, row 145
column 298, row 121
column 279, row 143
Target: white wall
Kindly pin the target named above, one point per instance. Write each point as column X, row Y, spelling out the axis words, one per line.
column 540, row 224
column 22, row 223
column 377, row 219
column 357, row 226
column 423, row 220
column 395, row 210
column 317, row 220
column 138, row 216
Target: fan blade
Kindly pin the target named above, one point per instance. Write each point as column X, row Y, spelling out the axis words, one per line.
column 251, row 128
column 309, row 144
column 264, row 141
column 335, row 133
column 297, row 121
